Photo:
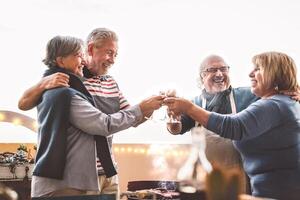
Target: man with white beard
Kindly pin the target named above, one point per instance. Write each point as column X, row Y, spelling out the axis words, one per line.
column 218, row 96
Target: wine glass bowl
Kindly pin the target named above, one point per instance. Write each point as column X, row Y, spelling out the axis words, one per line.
column 164, row 116
column 173, row 122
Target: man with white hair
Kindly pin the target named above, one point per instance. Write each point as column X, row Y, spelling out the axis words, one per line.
column 218, row 96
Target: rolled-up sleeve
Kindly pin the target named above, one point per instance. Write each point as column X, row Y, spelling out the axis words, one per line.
column 92, row 121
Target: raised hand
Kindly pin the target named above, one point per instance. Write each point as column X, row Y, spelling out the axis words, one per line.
column 172, row 117
column 150, row 104
column 177, row 105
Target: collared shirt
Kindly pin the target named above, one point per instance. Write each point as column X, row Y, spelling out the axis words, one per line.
column 108, row 98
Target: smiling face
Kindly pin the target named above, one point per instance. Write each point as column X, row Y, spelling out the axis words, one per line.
column 273, row 72
column 72, row 62
column 215, row 76
column 102, row 56
column 258, row 87
column 65, row 52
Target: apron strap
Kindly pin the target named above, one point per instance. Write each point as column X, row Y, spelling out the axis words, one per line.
column 203, row 105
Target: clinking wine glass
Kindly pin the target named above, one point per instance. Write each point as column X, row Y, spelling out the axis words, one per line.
column 174, row 123
column 163, row 115
column 173, row 120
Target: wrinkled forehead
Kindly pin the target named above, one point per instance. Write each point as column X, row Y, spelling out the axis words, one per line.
column 107, row 42
column 215, row 63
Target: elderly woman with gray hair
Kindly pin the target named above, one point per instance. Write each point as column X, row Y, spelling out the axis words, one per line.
column 70, row 127
column 267, row 133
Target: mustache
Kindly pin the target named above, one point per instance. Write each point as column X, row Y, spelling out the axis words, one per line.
column 218, row 79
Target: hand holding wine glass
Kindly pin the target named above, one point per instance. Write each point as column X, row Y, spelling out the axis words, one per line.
column 150, row 104
column 173, row 123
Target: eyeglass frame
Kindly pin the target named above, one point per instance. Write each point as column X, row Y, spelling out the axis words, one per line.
column 223, row 69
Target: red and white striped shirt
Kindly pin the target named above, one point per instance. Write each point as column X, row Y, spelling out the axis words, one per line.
column 108, row 98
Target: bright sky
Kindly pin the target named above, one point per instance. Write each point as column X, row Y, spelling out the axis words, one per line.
column 161, row 44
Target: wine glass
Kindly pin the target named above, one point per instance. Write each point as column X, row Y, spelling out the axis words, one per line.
column 173, row 122
column 163, row 115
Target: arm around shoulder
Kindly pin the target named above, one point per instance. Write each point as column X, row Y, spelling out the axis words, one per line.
column 31, row 96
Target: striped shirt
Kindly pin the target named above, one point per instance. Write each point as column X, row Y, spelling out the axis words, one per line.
column 108, row 98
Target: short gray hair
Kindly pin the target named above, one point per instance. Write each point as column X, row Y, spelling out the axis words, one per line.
column 99, row 35
column 61, row 46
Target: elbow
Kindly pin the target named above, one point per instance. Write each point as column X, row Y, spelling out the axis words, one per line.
column 139, row 123
column 108, row 130
column 22, row 105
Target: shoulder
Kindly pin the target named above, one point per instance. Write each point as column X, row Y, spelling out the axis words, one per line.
column 284, row 101
column 197, row 100
column 243, row 97
column 60, row 93
column 243, row 90
column 281, row 103
column 111, row 79
column 244, row 93
column 279, row 100
column 112, row 82
column 57, row 98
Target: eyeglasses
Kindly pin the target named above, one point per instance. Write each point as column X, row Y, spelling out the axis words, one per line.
column 223, row 69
